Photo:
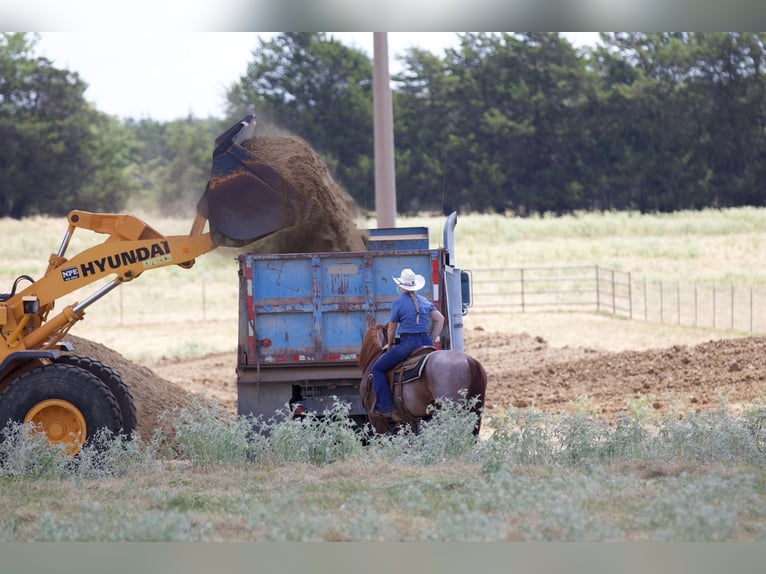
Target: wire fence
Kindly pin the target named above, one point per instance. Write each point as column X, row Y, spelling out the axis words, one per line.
column 600, row 289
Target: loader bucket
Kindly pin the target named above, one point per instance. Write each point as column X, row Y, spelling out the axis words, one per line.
column 245, row 198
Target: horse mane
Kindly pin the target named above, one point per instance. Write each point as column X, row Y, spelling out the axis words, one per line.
column 371, row 348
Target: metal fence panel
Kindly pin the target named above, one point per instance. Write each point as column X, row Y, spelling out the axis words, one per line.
column 601, row 289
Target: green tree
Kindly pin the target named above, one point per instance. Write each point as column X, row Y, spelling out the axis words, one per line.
column 684, row 117
column 58, row 153
column 311, row 85
column 184, row 176
column 658, row 162
column 730, row 76
column 424, row 123
column 500, row 123
column 172, row 162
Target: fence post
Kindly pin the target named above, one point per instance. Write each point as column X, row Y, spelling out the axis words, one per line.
column 630, row 294
column 522, row 288
column 614, row 302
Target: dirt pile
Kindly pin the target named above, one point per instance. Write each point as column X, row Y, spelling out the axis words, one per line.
column 213, row 377
column 325, row 210
column 152, row 394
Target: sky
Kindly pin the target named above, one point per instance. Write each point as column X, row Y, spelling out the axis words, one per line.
column 165, row 76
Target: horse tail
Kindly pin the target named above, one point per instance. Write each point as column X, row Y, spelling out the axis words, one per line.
column 477, row 388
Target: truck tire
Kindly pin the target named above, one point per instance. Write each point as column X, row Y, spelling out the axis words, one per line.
column 70, row 403
column 114, row 382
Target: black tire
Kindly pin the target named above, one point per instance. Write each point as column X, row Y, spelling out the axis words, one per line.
column 85, row 393
column 114, row 382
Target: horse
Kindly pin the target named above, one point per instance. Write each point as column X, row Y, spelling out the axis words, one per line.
column 446, row 374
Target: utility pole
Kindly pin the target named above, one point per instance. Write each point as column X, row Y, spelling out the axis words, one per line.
column 383, row 133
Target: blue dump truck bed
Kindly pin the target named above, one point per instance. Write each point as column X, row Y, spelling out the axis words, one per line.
column 303, row 316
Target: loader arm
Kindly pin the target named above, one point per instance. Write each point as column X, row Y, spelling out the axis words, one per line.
column 130, row 248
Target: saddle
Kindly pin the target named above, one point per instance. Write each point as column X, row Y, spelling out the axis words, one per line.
column 409, row 370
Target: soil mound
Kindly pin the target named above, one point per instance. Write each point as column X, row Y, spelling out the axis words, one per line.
column 151, row 393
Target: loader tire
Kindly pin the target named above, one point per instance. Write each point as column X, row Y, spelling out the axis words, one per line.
column 114, row 381
column 69, row 403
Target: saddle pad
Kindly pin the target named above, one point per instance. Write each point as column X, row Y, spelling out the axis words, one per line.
column 412, row 367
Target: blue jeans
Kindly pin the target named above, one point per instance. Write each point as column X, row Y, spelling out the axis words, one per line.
column 388, row 360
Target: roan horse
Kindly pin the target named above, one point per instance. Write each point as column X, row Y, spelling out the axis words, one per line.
column 445, row 374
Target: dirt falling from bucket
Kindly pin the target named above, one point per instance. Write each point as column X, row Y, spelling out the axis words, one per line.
column 325, row 211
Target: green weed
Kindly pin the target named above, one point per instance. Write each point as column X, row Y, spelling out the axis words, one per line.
column 207, row 435
column 315, row 438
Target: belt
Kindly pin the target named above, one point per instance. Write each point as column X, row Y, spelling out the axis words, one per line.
column 404, row 335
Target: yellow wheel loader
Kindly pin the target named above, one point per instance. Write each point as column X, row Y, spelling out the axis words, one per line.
column 69, row 397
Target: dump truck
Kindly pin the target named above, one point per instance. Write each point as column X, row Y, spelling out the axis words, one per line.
column 43, row 380
column 303, row 316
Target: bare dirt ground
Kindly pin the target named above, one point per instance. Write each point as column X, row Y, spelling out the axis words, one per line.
column 525, row 371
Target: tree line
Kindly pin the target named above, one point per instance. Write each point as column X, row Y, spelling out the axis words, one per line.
column 504, row 122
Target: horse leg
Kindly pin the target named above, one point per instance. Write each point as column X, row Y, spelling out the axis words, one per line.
column 478, row 388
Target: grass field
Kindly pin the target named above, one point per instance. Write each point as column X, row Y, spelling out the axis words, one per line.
column 178, row 312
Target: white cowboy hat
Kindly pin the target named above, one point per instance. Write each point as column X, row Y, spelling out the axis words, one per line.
column 410, row 281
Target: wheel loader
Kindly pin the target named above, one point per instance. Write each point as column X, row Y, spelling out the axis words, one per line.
column 69, row 397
